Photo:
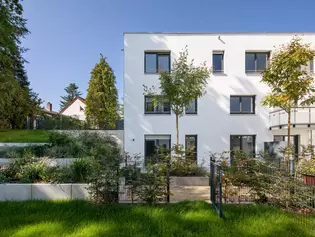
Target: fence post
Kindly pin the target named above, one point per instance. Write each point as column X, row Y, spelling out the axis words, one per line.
column 220, row 192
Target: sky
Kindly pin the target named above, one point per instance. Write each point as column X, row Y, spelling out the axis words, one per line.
column 68, row 36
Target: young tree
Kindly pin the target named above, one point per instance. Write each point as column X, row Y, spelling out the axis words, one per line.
column 102, row 99
column 290, row 79
column 72, row 91
column 181, row 85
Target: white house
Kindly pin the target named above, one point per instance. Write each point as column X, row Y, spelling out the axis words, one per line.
column 75, row 108
column 229, row 116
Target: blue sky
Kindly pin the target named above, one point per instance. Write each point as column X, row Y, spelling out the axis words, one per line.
column 67, row 36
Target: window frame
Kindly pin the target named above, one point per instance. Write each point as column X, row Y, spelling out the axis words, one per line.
column 222, row 62
column 163, row 53
column 241, row 136
column 196, row 148
column 145, row 147
column 157, row 110
column 257, row 52
column 196, row 108
column 240, row 104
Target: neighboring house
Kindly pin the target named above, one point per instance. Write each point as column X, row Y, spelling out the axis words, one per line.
column 75, row 108
column 229, row 116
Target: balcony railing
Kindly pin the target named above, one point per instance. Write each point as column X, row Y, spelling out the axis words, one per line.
column 299, row 116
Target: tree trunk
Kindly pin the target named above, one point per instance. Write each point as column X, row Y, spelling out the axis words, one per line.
column 289, row 137
column 177, row 133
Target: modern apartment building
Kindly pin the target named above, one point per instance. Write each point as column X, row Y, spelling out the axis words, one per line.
column 229, row 115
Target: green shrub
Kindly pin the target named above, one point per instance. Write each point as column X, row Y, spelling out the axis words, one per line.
column 34, row 172
column 81, row 169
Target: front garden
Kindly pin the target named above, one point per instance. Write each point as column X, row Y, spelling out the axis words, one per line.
column 80, row 218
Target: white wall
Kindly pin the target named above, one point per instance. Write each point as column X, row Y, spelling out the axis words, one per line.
column 213, row 124
column 74, row 110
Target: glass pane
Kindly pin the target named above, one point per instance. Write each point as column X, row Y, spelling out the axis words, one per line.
column 150, row 63
column 217, row 62
column 150, row 148
column 235, row 105
column 235, row 143
column 248, row 145
column 250, row 62
column 166, row 106
column 149, row 107
column 261, row 60
column 191, row 108
column 247, row 104
column 164, row 145
column 163, row 63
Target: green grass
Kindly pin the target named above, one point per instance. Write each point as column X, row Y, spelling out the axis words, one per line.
column 79, row 218
column 23, row 136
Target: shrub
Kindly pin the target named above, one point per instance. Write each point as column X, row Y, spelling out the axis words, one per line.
column 34, row 172
column 80, row 170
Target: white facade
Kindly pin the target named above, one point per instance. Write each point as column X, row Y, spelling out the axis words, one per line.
column 75, row 109
column 213, row 123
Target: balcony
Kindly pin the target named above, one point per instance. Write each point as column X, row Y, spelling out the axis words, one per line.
column 300, row 117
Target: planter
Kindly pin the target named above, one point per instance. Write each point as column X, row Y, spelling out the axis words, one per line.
column 309, row 179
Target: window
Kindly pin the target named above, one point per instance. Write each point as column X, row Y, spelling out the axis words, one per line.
column 192, row 107
column 157, row 62
column 242, row 104
column 256, row 62
column 191, row 145
column 155, row 144
column 163, row 107
column 218, row 62
column 244, row 143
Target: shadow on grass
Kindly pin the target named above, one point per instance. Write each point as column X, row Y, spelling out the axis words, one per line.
column 79, row 218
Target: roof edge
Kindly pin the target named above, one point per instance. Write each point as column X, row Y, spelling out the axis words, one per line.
column 221, row 33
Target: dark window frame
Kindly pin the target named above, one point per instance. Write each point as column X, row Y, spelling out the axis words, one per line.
column 166, row 53
column 157, row 110
column 222, row 62
column 145, row 147
column 196, row 108
column 257, row 52
column 241, row 145
column 240, row 103
column 196, row 148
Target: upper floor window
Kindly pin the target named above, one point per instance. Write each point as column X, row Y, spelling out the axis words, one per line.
column 156, row 62
column 256, row 62
column 242, row 104
column 192, row 107
column 163, row 107
column 218, row 62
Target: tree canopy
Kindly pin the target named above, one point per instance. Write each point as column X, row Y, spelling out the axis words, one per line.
column 102, row 98
column 72, row 91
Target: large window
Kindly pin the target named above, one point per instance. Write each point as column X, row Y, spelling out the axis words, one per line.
column 192, row 107
column 244, row 143
column 162, row 107
column 155, row 144
column 218, row 62
column 191, row 145
column 242, row 104
column 256, row 62
column 157, row 62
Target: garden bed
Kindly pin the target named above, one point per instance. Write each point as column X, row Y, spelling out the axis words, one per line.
column 79, row 218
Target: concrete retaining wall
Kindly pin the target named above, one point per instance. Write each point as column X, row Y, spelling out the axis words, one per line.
column 48, row 161
column 191, row 188
column 12, row 144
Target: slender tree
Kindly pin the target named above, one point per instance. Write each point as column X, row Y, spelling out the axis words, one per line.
column 102, row 99
column 72, row 91
column 181, row 85
column 290, row 79
column 17, row 100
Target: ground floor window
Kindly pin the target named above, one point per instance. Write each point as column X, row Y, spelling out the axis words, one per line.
column 191, row 145
column 246, row 143
column 155, row 144
column 294, row 140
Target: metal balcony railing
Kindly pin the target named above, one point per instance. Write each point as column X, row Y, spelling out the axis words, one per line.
column 299, row 116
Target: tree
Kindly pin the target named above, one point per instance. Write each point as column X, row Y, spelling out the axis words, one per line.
column 72, row 92
column 181, row 85
column 17, row 100
column 290, row 79
column 102, row 99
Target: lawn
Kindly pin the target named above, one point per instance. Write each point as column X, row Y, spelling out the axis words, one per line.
column 23, row 136
column 79, row 218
